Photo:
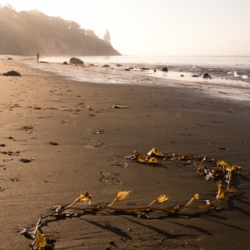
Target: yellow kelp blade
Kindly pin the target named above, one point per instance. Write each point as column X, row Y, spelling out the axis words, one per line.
column 40, row 241
column 221, row 193
column 161, row 198
column 123, row 195
column 142, row 158
column 227, row 166
column 86, row 197
column 152, row 160
column 196, row 197
column 120, row 196
column 156, row 152
column 146, row 159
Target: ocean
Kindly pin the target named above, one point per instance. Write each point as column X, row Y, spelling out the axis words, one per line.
column 230, row 75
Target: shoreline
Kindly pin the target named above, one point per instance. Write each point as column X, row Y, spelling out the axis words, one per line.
column 222, row 85
column 39, row 108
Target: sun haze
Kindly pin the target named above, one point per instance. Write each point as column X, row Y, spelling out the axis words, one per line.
column 158, row 27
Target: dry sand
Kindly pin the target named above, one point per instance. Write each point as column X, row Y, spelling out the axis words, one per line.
column 39, row 109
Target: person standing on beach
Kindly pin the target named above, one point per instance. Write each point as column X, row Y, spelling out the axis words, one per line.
column 37, row 57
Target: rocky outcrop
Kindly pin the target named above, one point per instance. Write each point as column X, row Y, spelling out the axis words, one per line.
column 12, row 73
column 75, row 60
column 29, row 32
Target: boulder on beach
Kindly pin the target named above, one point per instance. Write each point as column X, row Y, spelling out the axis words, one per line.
column 65, row 63
column 165, row 69
column 206, row 75
column 12, row 73
column 75, row 60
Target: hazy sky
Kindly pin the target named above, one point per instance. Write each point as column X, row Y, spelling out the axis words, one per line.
column 158, row 27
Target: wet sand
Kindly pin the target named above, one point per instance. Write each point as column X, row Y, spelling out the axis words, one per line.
column 54, row 147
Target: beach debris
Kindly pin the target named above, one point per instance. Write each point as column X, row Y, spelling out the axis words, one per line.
column 53, row 143
column 119, row 106
column 99, row 132
column 12, row 73
column 89, row 108
column 220, row 171
column 76, row 61
column 74, row 209
column 27, row 160
column 10, row 153
column 26, row 128
column 223, row 148
column 154, row 152
column 165, row 69
column 206, row 75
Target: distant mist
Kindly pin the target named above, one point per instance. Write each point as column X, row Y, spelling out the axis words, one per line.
column 29, row 32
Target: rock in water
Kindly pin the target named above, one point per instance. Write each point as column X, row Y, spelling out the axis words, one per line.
column 12, row 73
column 206, row 75
column 74, row 60
column 165, row 69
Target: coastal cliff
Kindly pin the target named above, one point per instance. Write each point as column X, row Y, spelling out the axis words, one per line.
column 29, row 32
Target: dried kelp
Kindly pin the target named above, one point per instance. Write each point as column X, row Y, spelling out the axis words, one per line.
column 40, row 241
column 220, row 171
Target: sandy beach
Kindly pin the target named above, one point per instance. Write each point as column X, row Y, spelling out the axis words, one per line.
column 60, row 138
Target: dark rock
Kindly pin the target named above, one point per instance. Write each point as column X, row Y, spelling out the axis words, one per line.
column 106, row 66
column 144, row 69
column 9, row 58
column 195, row 75
column 43, row 62
column 118, row 65
column 53, row 143
column 65, row 63
column 206, row 75
column 12, row 73
column 75, row 60
column 165, row 69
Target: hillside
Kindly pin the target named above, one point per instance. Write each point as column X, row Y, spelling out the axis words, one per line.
column 29, row 32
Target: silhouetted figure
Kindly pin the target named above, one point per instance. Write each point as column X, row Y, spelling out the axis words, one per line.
column 37, row 57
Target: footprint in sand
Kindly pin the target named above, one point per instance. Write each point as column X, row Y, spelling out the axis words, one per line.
column 119, row 162
column 110, row 178
column 10, row 153
column 95, row 144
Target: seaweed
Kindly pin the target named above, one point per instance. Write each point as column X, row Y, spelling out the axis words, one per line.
column 220, row 171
